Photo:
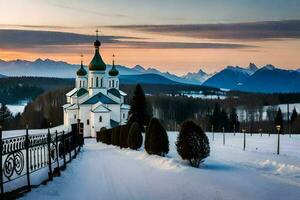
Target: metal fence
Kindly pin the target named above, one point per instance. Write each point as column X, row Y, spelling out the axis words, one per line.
column 22, row 157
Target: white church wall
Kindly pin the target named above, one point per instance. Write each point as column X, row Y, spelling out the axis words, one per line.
column 124, row 116
column 85, row 119
column 115, row 111
column 97, row 124
column 72, row 116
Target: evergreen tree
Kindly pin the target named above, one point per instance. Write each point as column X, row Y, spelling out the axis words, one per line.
column 234, row 121
column 5, row 117
column 157, row 138
column 140, row 111
column 224, row 121
column 216, row 117
column 135, row 138
column 192, row 143
column 279, row 120
column 294, row 116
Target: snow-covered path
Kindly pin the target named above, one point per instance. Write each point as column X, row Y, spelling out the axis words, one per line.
column 106, row 172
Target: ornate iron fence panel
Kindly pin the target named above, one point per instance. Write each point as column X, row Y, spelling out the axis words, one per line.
column 23, row 155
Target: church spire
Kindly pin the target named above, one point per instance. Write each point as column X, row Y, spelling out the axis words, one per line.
column 81, row 71
column 97, row 64
column 113, row 71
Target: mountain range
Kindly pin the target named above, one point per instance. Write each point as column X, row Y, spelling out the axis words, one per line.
column 267, row 79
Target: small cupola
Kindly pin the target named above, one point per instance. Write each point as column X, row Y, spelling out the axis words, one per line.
column 113, row 71
column 81, row 71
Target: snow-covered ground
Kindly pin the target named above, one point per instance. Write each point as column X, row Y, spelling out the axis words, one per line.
column 14, row 133
column 106, row 172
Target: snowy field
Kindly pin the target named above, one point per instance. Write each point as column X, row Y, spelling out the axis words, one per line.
column 106, row 172
column 14, row 133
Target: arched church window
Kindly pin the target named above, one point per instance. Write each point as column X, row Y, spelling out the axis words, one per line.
column 113, row 83
column 101, row 82
column 79, row 83
column 117, row 83
column 91, row 82
column 109, row 82
column 100, row 119
column 97, row 82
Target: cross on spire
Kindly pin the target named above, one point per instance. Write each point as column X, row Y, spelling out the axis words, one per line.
column 113, row 56
column 97, row 32
column 81, row 56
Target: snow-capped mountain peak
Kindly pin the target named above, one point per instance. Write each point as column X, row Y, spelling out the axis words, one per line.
column 199, row 76
column 139, row 68
column 269, row 67
column 252, row 67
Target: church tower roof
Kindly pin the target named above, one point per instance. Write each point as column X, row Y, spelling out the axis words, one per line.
column 81, row 71
column 113, row 71
column 97, row 64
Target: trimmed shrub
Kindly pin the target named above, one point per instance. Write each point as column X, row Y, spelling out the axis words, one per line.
column 116, row 136
column 135, row 138
column 104, row 135
column 157, row 138
column 124, row 136
column 192, row 143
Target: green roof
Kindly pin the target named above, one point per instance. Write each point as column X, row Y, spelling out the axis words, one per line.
column 113, row 123
column 114, row 92
column 81, row 71
column 113, row 71
column 81, row 92
column 97, row 64
column 100, row 97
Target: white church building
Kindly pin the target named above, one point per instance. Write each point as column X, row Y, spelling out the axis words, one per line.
column 96, row 100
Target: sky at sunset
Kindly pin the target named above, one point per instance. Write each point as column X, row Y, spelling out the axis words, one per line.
column 178, row 36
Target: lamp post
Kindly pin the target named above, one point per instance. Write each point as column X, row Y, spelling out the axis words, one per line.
column 278, row 127
column 244, row 132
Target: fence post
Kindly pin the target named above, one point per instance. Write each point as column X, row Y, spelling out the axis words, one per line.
column 233, row 129
column 244, row 140
column 70, row 147
column 278, row 144
column 57, row 157
column 64, row 149
column 27, row 143
column 223, row 136
column 213, row 134
column 50, row 176
column 1, row 171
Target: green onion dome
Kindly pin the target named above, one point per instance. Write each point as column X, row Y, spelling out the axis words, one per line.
column 113, row 71
column 97, row 64
column 81, row 71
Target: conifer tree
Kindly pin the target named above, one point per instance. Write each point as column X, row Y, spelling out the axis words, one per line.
column 234, row 121
column 157, row 138
column 192, row 143
column 216, row 117
column 135, row 138
column 294, row 116
column 224, row 121
column 140, row 111
column 279, row 120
